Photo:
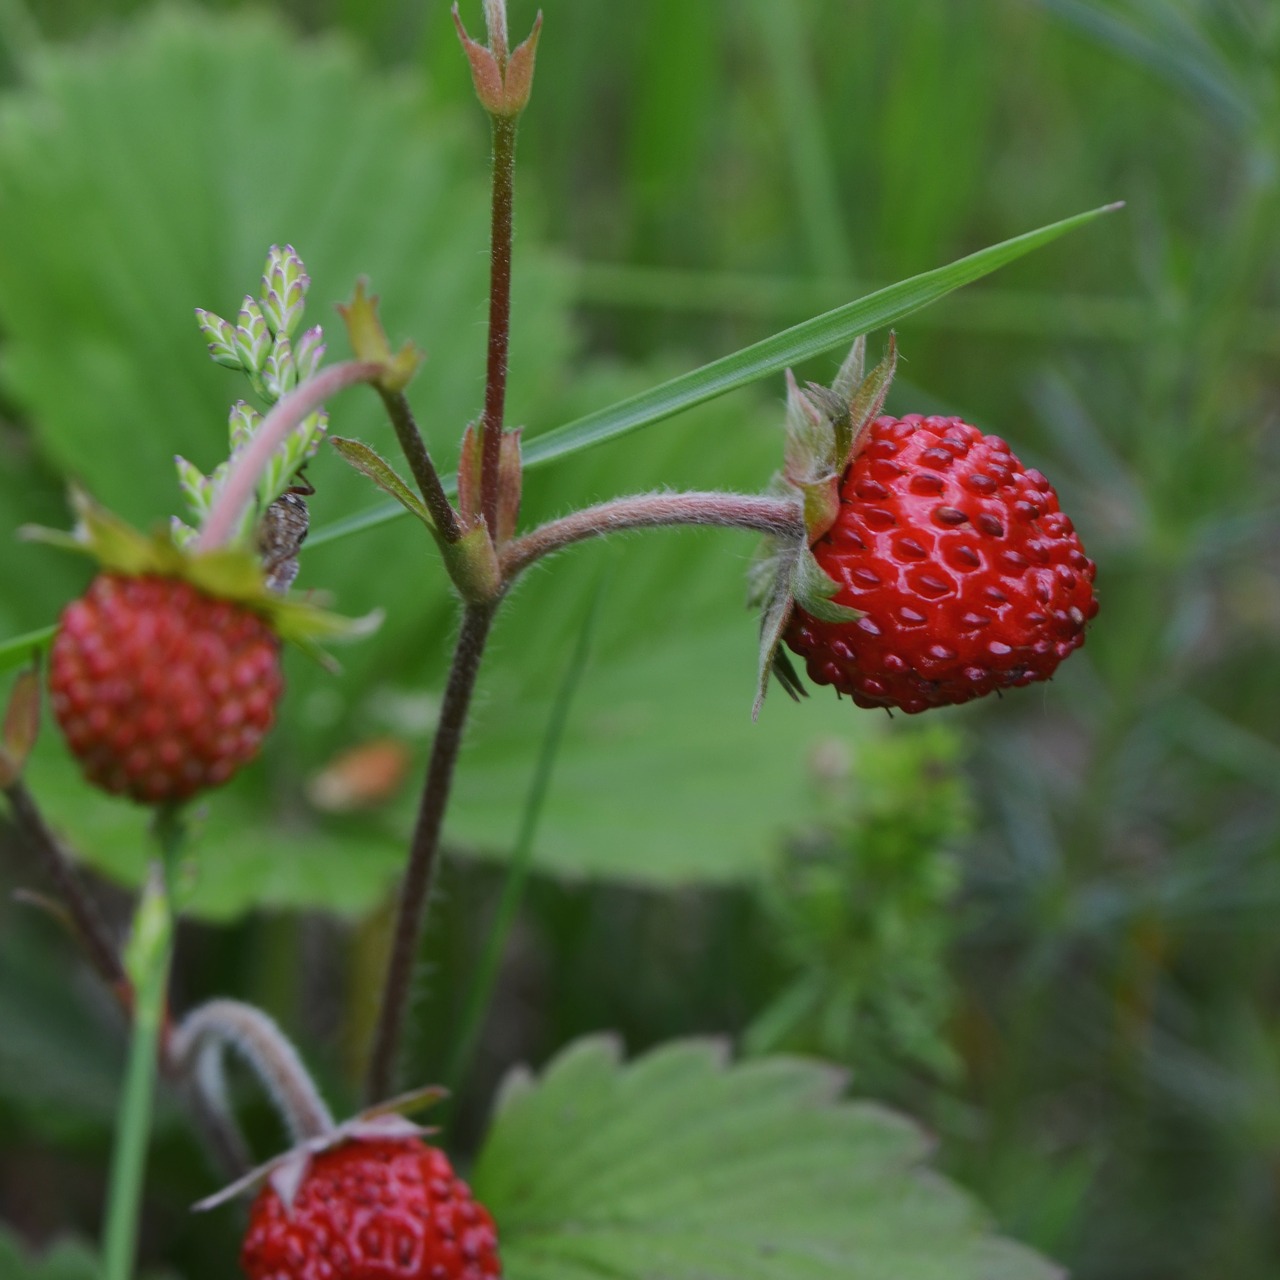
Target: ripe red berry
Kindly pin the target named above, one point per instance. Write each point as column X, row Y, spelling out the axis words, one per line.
column 161, row 690
column 386, row 1209
column 969, row 577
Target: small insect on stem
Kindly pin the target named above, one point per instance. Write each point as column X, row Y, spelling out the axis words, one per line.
column 281, row 533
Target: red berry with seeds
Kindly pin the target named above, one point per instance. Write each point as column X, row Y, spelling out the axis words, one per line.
column 161, row 690
column 373, row 1210
column 968, row 576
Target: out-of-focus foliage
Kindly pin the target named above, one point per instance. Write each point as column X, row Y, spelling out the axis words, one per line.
column 1117, row 963
column 862, row 902
column 229, row 138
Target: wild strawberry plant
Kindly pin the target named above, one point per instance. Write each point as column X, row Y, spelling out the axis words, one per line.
column 912, row 562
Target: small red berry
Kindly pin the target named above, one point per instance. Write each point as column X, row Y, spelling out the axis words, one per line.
column 968, row 576
column 161, row 690
column 387, row 1209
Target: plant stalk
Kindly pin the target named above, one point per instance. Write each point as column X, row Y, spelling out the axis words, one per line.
column 416, row 888
column 90, row 927
column 778, row 516
column 481, row 994
column 495, row 390
column 419, row 460
column 147, row 964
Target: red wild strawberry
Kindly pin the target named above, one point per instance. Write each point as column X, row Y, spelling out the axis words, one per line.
column 968, row 576
column 387, row 1209
column 160, row 689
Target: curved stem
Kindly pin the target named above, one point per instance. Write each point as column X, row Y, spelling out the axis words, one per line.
column 778, row 516
column 416, row 889
column 495, row 390
column 197, row 1047
column 242, row 480
column 91, row 928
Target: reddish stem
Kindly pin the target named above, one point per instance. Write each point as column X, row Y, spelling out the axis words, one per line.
column 495, row 391
column 416, row 889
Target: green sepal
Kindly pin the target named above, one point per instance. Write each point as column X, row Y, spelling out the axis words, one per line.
column 228, row 573
column 852, row 371
column 782, row 575
column 867, row 401
column 821, row 504
column 370, row 463
column 810, row 444
column 825, row 426
column 815, row 592
column 772, row 577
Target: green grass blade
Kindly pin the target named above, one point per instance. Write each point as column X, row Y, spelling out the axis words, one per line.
column 21, row 649
column 1182, row 61
column 876, row 311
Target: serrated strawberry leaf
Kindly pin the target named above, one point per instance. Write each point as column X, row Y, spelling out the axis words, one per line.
column 681, row 1166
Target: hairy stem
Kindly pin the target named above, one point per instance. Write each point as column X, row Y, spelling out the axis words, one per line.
column 95, row 936
column 197, row 1047
column 416, row 889
column 419, row 460
column 285, row 416
column 495, row 390
column 778, row 516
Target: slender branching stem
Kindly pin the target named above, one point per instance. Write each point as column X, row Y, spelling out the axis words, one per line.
column 286, row 415
column 778, row 516
column 95, row 936
column 495, row 390
column 416, row 889
column 419, row 460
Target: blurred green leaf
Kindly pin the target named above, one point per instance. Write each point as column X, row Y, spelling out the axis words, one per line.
column 681, row 1166
column 66, row 1260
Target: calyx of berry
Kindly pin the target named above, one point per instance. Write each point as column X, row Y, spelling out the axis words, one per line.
column 825, row 429
column 229, row 573
column 287, row 1171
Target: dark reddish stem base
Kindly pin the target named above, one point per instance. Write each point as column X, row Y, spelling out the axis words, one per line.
column 416, row 889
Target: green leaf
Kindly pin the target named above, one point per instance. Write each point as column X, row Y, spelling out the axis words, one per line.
column 683, row 1167
column 66, row 1260
column 370, row 463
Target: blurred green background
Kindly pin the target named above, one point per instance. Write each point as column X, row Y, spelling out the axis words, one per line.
column 1045, row 926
